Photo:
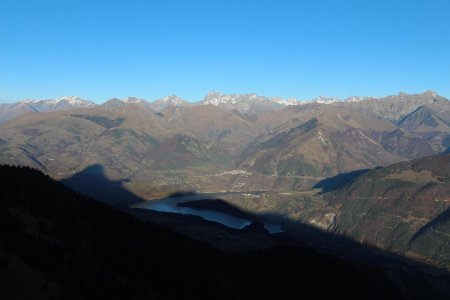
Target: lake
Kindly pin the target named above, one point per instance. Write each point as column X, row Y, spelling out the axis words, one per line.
column 170, row 205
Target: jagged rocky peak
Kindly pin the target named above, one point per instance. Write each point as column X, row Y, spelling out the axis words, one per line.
column 75, row 100
column 116, row 102
column 244, row 103
column 325, row 100
column 321, row 100
column 286, row 102
column 425, row 96
column 430, row 93
column 357, row 98
column 217, row 98
column 173, row 99
column 72, row 100
column 134, row 100
column 113, row 103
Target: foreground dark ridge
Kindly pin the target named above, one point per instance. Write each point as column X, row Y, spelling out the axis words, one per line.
column 56, row 243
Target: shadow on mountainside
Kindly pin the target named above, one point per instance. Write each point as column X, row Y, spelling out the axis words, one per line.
column 410, row 275
column 405, row 272
column 93, row 182
column 295, row 232
column 443, row 218
column 338, row 181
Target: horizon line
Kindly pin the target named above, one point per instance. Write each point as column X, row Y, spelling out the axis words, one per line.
column 99, row 102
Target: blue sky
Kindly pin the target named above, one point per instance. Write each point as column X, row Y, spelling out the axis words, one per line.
column 149, row 49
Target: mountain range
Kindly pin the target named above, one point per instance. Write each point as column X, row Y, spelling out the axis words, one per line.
column 245, row 143
column 391, row 107
column 257, row 134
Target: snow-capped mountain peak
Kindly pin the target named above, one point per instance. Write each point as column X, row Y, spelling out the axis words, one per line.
column 74, row 101
column 247, row 103
column 69, row 98
column 133, row 100
column 172, row 99
column 286, row 102
column 356, row 98
column 325, row 100
column 216, row 98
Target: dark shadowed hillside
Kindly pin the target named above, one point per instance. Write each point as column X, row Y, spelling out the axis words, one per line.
column 56, row 243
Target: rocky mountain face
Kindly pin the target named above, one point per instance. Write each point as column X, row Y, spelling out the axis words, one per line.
column 229, row 130
column 431, row 122
column 393, row 108
column 115, row 103
column 424, row 119
column 169, row 101
column 250, row 103
column 333, row 142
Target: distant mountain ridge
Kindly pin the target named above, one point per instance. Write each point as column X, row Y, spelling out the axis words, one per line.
column 13, row 110
column 243, row 143
column 258, row 134
column 392, row 108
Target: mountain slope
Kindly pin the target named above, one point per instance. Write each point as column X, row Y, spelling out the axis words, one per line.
column 56, row 244
column 185, row 152
column 66, row 142
column 402, row 208
column 334, row 142
column 227, row 129
column 424, row 119
column 431, row 121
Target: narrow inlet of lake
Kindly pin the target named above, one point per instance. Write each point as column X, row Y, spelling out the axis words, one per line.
column 171, row 205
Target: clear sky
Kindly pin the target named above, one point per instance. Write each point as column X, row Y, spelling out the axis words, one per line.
column 103, row 49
